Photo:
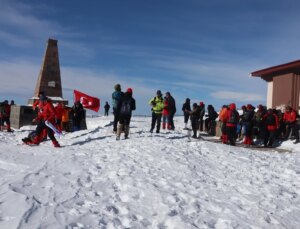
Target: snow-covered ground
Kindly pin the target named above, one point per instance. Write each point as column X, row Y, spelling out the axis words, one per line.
column 148, row 181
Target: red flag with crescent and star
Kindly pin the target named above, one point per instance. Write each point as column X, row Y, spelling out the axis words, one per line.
column 87, row 101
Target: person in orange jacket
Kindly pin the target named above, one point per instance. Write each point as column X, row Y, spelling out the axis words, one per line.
column 272, row 125
column 222, row 119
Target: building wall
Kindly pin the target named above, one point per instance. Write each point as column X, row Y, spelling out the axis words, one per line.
column 283, row 89
column 270, row 95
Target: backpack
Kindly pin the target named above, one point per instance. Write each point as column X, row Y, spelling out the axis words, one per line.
column 234, row 117
column 126, row 107
column 270, row 120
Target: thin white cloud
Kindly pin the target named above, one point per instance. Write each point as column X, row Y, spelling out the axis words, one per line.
column 237, row 96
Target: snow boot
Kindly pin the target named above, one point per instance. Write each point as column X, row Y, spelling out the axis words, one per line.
column 8, row 129
column 55, row 143
column 126, row 130
column 119, row 130
column 33, row 141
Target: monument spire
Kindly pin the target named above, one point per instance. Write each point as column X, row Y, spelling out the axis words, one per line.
column 49, row 80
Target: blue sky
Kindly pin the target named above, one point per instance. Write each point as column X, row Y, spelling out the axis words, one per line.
column 204, row 50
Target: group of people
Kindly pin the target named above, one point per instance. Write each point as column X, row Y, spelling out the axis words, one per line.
column 263, row 125
column 162, row 108
column 123, row 105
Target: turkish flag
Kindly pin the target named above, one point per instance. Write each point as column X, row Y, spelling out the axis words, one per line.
column 87, row 101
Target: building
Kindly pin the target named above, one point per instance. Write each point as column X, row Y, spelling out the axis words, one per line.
column 283, row 84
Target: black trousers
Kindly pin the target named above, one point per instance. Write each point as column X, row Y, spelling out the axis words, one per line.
column 5, row 120
column 201, row 124
column 116, row 119
column 186, row 117
column 156, row 118
column 195, row 126
column 294, row 128
column 106, row 113
column 41, row 126
column 231, row 133
column 269, row 138
column 171, row 120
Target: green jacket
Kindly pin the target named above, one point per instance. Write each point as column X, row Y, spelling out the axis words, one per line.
column 157, row 104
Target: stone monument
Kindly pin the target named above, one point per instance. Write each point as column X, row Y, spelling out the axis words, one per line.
column 49, row 80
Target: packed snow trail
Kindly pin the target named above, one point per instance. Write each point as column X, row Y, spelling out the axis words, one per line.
column 148, row 181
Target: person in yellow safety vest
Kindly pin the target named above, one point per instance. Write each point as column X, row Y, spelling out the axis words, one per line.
column 157, row 104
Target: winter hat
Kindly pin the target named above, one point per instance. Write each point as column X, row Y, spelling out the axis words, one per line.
column 201, row 104
column 158, row 93
column 187, row 100
column 117, row 87
column 243, row 107
column 168, row 93
column 232, row 106
column 249, row 106
column 194, row 104
column 260, row 106
column 129, row 90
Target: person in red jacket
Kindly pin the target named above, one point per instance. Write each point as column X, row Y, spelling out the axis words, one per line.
column 165, row 114
column 290, row 120
column 231, row 120
column 272, row 125
column 46, row 114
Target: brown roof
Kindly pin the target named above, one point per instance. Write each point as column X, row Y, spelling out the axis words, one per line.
column 279, row 68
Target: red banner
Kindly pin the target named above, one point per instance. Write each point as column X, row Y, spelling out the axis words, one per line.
column 87, row 101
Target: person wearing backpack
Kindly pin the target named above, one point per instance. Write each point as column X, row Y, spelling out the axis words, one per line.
column 125, row 108
column 271, row 121
column 232, row 120
column 157, row 105
column 116, row 98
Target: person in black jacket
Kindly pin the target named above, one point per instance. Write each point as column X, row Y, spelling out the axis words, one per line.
column 125, row 108
column 106, row 108
column 247, row 120
column 195, row 114
column 210, row 121
column 186, row 108
column 202, row 113
column 172, row 110
column 77, row 115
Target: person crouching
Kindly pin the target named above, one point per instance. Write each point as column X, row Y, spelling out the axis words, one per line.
column 47, row 113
